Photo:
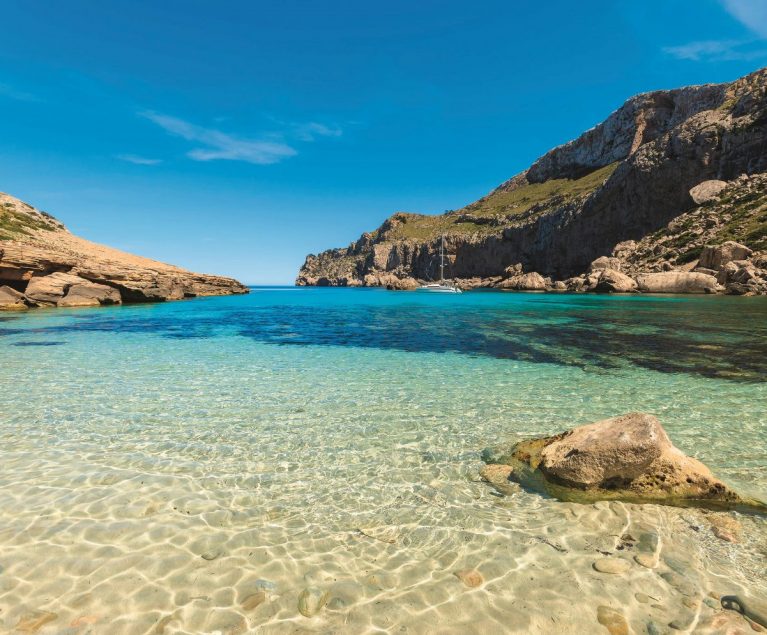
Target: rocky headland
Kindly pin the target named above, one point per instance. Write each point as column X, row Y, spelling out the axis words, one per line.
column 42, row 264
column 667, row 195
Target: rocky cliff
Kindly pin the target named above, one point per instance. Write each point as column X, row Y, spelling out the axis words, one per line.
column 43, row 264
column 625, row 189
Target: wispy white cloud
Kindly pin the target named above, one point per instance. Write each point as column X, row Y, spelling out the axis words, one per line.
column 220, row 145
column 9, row 91
column 718, row 50
column 134, row 158
column 310, row 131
column 750, row 13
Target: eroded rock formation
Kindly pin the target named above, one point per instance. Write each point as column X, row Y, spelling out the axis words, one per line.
column 43, row 265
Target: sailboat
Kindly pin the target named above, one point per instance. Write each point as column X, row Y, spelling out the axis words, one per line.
column 442, row 286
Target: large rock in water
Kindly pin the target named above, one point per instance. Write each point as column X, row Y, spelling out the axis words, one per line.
column 11, row 300
column 629, row 457
column 677, row 282
column 89, row 294
column 48, row 290
column 524, row 282
column 68, row 290
column 613, row 281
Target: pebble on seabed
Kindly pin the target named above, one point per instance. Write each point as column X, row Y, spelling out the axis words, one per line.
column 34, row 620
column 253, row 600
column 646, row 560
column 470, row 577
column 612, row 620
column 311, row 601
column 612, row 565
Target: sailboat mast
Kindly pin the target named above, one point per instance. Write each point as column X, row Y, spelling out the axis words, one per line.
column 442, row 260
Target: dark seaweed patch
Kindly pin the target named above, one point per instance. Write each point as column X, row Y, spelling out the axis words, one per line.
column 722, row 338
column 38, row 343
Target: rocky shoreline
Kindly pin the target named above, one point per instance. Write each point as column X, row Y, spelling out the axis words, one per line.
column 729, row 268
column 42, row 264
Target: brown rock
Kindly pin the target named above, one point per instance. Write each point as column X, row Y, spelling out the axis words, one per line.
column 725, row 527
column 513, row 270
column 629, row 457
column 716, row 256
column 470, row 577
column 89, row 294
column 48, row 290
column 605, row 262
column 612, row 565
column 612, row 620
column 33, row 621
column 613, row 281
column 707, row 191
column 524, row 282
column 254, row 600
column 619, row 448
column 676, row 282
column 12, row 300
column 499, row 475
column 390, row 281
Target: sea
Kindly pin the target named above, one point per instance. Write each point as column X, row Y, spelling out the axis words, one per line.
column 306, row 460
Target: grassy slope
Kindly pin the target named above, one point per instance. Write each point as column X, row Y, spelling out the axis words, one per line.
column 14, row 224
column 501, row 206
column 740, row 214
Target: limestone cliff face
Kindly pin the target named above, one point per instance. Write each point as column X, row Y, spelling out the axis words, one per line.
column 43, row 264
column 623, row 180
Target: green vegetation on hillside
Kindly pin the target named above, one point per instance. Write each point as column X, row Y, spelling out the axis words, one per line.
column 521, row 199
column 14, row 224
column 499, row 208
column 748, row 223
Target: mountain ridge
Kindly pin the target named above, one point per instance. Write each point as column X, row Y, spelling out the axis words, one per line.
column 622, row 180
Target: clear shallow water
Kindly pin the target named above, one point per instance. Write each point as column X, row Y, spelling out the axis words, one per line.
column 162, row 465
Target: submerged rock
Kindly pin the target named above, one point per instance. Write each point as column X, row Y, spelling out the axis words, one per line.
column 629, row 457
column 612, row 620
column 499, row 475
column 33, row 621
column 612, row 565
column 311, row 601
column 754, row 610
column 470, row 577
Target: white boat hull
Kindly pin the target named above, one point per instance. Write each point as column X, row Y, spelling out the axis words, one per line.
column 439, row 288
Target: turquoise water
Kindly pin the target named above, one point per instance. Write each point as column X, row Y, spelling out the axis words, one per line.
column 166, row 464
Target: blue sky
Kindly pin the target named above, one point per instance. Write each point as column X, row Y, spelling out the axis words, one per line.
column 236, row 137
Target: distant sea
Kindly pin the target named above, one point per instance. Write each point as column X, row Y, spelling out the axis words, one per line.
column 212, row 464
